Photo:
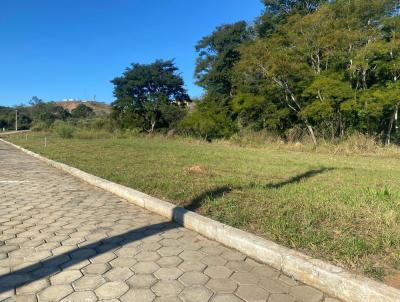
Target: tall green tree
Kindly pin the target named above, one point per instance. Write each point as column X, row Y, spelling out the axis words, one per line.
column 217, row 54
column 149, row 96
column 82, row 111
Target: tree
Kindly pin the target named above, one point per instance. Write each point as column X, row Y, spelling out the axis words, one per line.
column 82, row 111
column 217, row 54
column 146, row 95
column 281, row 66
column 48, row 113
column 326, row 95
column 277, row 11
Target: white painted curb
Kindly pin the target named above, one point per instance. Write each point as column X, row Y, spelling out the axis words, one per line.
column 326, row 277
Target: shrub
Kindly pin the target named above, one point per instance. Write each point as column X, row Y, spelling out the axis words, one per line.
column 208, row 123
column 39, row 126
column 64, row 130
column 248, row 137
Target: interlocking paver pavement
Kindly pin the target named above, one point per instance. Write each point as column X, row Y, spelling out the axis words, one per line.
column 64, row 240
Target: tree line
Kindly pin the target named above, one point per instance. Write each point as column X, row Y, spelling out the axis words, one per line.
column 325, row 68
column 40, row 115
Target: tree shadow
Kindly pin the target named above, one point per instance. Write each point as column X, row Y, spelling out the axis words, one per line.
column 218, row 192
column 56, row 264
column 297, row 178
column 198, row 201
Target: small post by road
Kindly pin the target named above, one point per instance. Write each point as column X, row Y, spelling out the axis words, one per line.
column 16, row 120
column 45, row 141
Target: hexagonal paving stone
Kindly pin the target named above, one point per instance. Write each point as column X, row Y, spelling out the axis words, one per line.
column 218, row 272
column 169, row 261
column 86, row 296
column 195, row 294
column 127, row 252
column 83, row 253
column 33, row 287
column 288, row 280
column 138, row 295
column 225, row 298
column 193, row 278
column 169, row 242
column 252, row 293
column 231, row 255
column 274, row 285
column 147, row 256
column 168, row 299
column 55, row 292
column 96, row 268
column 123, row 262
column 222, row 285
column 170, row 251
column 145, row 267
column 213, row 250
column 118, row 274
column 65, row 277
column 22, row 298
column 280, row 298
column 14, row 280
column 111, row 290
column 167, row 288
column 103, row 258
column 75, row 264
column 189, row 266
column 150, row 246
column 170, row 273
column 141, row 281
column 89, row 282
column 214, row 260
column 245, row 278
column 191, row 255
column 266, row 271
column 239, row 266
column 304, row 293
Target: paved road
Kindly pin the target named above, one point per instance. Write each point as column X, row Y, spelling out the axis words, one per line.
column 64, row 240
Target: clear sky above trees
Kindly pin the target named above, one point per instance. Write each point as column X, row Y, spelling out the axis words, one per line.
column 71, row 49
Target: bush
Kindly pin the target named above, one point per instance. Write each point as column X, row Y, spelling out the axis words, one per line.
column 248, row 137
column 64, row 130
column 39, row 126
column 208, row 123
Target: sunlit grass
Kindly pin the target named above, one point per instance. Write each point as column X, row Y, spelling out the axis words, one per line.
column 345, row 209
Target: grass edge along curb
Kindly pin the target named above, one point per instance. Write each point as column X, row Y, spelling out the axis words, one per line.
column 331, row 279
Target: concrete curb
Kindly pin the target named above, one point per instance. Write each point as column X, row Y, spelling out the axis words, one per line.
column 319, row 274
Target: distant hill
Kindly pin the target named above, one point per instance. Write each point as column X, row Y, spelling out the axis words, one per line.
column 98, row 107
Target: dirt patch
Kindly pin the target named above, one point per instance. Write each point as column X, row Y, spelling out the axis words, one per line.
column 195, row 170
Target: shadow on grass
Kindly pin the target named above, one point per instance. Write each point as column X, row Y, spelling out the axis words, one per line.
column 215, row 193
column 297, row 178
column 58, row 263
column 219, row 192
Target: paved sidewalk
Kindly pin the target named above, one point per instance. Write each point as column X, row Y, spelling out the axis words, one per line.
column 64, row 240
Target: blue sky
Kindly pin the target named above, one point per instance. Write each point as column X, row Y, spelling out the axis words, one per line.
column 58, row 49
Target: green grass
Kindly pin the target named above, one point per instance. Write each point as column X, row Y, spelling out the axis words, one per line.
column 344, row 209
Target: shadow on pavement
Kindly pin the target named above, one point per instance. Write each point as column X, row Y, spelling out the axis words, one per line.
column 61, row 262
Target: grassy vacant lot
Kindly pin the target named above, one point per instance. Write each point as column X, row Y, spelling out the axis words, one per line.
column 345, row 209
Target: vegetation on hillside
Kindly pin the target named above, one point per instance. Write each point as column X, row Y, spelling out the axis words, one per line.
column 40, row 115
